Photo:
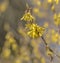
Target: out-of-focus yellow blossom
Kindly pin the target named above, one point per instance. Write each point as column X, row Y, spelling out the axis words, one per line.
column 6, row 53
column 24, row 53
column 53, row 1
column 22, row 31
column 3, row 6
column 56, row 1
column 52, row 31
column 55, row 37
column 38, row 3
column 36, row 10
column 49, row 1
column 55, row 16
column 53, row 8
column 52, row 36
column 43, row 60
column 18, row 60
column 57, row 19
column 36, row 53
column 28, row 17
column 35, row 31
column 14, row 46
column 9, row 37
column 12, row 40
column 7, row 44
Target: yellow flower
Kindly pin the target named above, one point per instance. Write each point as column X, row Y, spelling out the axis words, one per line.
column 35, row 10
column 49, row 1
column 38, row 3
column 55, row 37
column 27, row 17
column 3, row 6
column 53, row 8
column 35, row 31
column 17, row 60
column 14, row 46
column 53, row 1
column 12, row 40
column 57, row 19
column 9, row 35
column 55, row 16
column 6, row 53
column 56, row 1
column 43, row 60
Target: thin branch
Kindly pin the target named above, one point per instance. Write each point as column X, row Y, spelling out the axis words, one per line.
column 49, row 48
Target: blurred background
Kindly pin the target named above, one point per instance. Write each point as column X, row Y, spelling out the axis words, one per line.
column 14, row 43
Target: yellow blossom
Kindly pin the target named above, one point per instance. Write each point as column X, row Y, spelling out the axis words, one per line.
column 55, row 37
column 28, row 17
column 35, row 31
column 53, row 8
column 49, row 1
column 14, row 46
column 35, row 10
column 56, row 1
column 38, row 3
column 6, row 53
column 57, row 19
column 43, row 60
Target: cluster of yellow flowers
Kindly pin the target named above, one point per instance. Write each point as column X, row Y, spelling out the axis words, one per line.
column 9, row 42
column 53, row 2
column 28, row 17
column 57, row 19
column 55, row 36
column 35, row 31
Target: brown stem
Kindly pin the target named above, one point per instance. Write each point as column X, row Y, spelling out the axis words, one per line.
column 49, row 48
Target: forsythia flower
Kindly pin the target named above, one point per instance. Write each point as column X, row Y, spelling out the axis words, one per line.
column 53, row 8
column 53, row 1
column 38, row 3
column 35, row 10
column 56, row 1
column 49, row 1
column 6, row 53
column 55, row 37
column 57, row 19
column 27, row 17
column 9, row 37
column 43, row 60
column 35, row 30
